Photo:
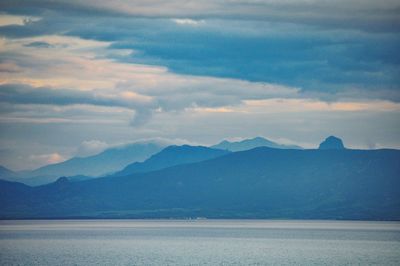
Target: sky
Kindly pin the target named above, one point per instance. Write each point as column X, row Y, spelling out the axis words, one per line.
column 77, row 77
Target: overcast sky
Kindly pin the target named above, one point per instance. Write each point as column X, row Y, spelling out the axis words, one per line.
column 79, row 76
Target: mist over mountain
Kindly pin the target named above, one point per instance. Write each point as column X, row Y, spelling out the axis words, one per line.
column 258, row 183
column 248, row 144
column 171, row 156
column 106, row 162
column 128, row 159
column 6, row 173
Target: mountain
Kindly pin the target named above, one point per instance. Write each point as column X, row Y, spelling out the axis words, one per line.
column 331, row 143
column 171, row 156
column 258, row 183
column 248, row 144
column 106, row 162
column 6, row 174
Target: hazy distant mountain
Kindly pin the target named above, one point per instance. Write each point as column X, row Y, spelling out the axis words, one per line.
column 259, row 183
column 331, row 143
column 248, row 144
column 76, row 178
column 32, row 181
column 171, row 156
column 6, row 174
column 106, row 162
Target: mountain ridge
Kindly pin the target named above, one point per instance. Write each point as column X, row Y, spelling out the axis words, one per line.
column 106, row 162
column 259, row 183
column 331, row 142
column 171, row 156
column 248, row 144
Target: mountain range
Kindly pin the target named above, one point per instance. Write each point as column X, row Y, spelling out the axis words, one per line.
column 171, row 156
column 106, row 162
column 248, row 144
column 5, row 172
column 258, row 183
column 117, row 158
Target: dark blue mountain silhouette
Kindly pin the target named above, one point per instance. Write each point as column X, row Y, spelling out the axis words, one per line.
column 259, row 183
column 331, row 143
column 171, row 156
column 114, row 159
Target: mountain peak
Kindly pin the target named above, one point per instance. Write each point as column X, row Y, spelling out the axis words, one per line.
column 4, row 170
column 171, row 156
column 62, row 180
column 106, row 162
column 332, row 143
column 248, row 144
column 260, row 139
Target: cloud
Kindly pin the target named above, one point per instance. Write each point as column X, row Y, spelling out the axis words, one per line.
column 292, row 55
column 189, row 22
column 312, row 105
column 373, row 16
column 315, row 56
column 44, row 159
column 95, row 73
column 141, row 117
column 91, row 147
column 25, row 94
column 11, row 20
column 78, row 76
column 169, row 93
column 39, row 45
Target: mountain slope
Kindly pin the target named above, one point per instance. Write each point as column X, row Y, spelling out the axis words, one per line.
column 6, row 174
column 259, row 183
column 106, row 162
column 248, row 144
column 171, row 156
column 331, row 143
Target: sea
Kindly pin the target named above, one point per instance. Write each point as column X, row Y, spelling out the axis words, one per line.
column 198, row 242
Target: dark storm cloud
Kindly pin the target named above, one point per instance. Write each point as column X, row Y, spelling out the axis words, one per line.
column 312, row 59
column 25, row 94
column 380, row 16
column 176, row 96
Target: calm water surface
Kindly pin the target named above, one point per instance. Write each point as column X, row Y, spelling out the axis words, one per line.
column 198, row 242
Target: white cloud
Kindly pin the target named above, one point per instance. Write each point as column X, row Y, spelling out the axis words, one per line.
column 6, row 20
column 44, row 159
column 91, row 147
column 187, row 21
column 312, row 105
